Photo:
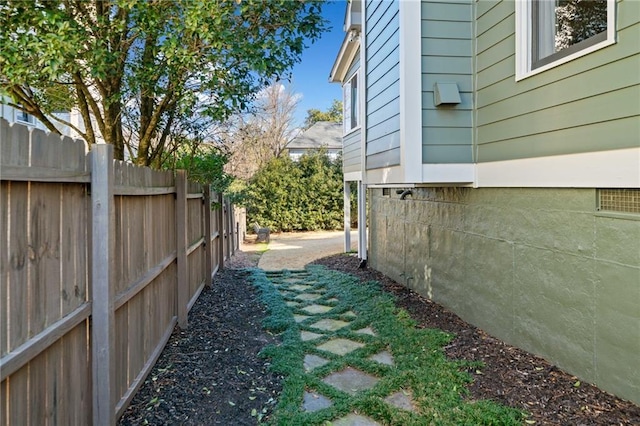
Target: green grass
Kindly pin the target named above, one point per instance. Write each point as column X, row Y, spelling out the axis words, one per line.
column 436, row 384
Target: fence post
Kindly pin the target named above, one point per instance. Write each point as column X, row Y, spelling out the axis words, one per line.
column 182, row 284
column 221, row 232
column 102, row 267
column 232, row 228
column 229, row 231
column 207, row 232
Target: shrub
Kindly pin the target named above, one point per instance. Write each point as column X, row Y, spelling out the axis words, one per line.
column 297, row 196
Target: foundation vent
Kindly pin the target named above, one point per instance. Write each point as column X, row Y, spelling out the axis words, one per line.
column 625, row 200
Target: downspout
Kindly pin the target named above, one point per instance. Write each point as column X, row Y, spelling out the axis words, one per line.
column 362, row 185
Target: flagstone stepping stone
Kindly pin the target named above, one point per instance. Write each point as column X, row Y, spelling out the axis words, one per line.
column 300, row 287
column 354, row 420
column 317, row 309
column 350, row 314
column 300, row 318
column 333, row 300
column 308, row 335
column 383, row 357
column 308, row 296
column 329, row 324
column 400, row 400
column 340, row 346
column 351, row 380
column 313, row 361
column 292, row 303
column 366, row 330
column 312, row 401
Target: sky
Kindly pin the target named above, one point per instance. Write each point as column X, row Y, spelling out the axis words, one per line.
column 311, row 76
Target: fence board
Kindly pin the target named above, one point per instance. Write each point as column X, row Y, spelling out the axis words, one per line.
column 15, row 152
column 4, row 396
column 77, row 375
column 18, row 269
column 4, row 266
column 19, row 411
column 55, row 410
column 38, row 394
column 124, row 342
column 74, row 354
column 44, row 215
column 73, row 266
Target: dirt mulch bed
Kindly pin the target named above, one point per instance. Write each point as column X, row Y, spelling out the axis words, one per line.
column 211, row 373
column 511, row 376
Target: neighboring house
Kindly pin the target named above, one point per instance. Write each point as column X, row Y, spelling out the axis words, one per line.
column 499, row 142
column 323, row 134
column 13, row 115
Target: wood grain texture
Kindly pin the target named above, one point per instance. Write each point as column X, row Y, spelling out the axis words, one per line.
column 74, row 351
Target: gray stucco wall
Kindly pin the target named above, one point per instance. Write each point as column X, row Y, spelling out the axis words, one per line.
column 538, row 268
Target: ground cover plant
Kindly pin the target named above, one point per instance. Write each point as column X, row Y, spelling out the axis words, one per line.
column 433, row 385
column 219, row 352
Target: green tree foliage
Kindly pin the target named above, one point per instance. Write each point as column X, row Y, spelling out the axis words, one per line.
column 204, row 164
column 297, row 196
column 334, row 113
column 139, row 70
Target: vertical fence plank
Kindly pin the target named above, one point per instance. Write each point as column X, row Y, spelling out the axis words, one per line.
column 102, row 333
column 206, row 213
column 181, row 246
column 4, row 267
column 221, row 231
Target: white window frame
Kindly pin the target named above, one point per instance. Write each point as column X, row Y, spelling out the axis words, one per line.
column 24, row 117
column 351, row 109
column 524, row 41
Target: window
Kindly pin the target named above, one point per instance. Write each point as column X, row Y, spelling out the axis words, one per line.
column 24, row 117
column 552, row 32
column 350, row 104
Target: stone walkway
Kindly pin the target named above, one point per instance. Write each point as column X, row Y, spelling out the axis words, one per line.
column 334, row 331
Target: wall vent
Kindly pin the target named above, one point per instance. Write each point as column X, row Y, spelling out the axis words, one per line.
column 623, row 200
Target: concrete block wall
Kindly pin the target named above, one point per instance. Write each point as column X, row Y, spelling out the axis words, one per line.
column 539, row 268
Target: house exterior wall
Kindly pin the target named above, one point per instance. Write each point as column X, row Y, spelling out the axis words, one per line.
column 12, row 116
column 351, row 142
column 539, row 268
column 382, row 82
column 351, row 152
column 589, row 104
column 447, row 56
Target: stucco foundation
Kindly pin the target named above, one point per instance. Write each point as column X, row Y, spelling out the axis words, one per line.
column 538, row 268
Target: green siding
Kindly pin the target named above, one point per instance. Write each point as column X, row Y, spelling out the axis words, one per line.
column 538, row 268
column 586, row 105
column 447, row 56
column 382, row 84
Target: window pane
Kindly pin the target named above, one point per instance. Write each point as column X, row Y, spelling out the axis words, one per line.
column 354, row 101
column 566, row 26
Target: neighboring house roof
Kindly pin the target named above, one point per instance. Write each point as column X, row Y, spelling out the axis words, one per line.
column 322, row 134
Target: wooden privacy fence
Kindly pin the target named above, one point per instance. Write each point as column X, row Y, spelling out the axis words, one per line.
column 99, row 261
